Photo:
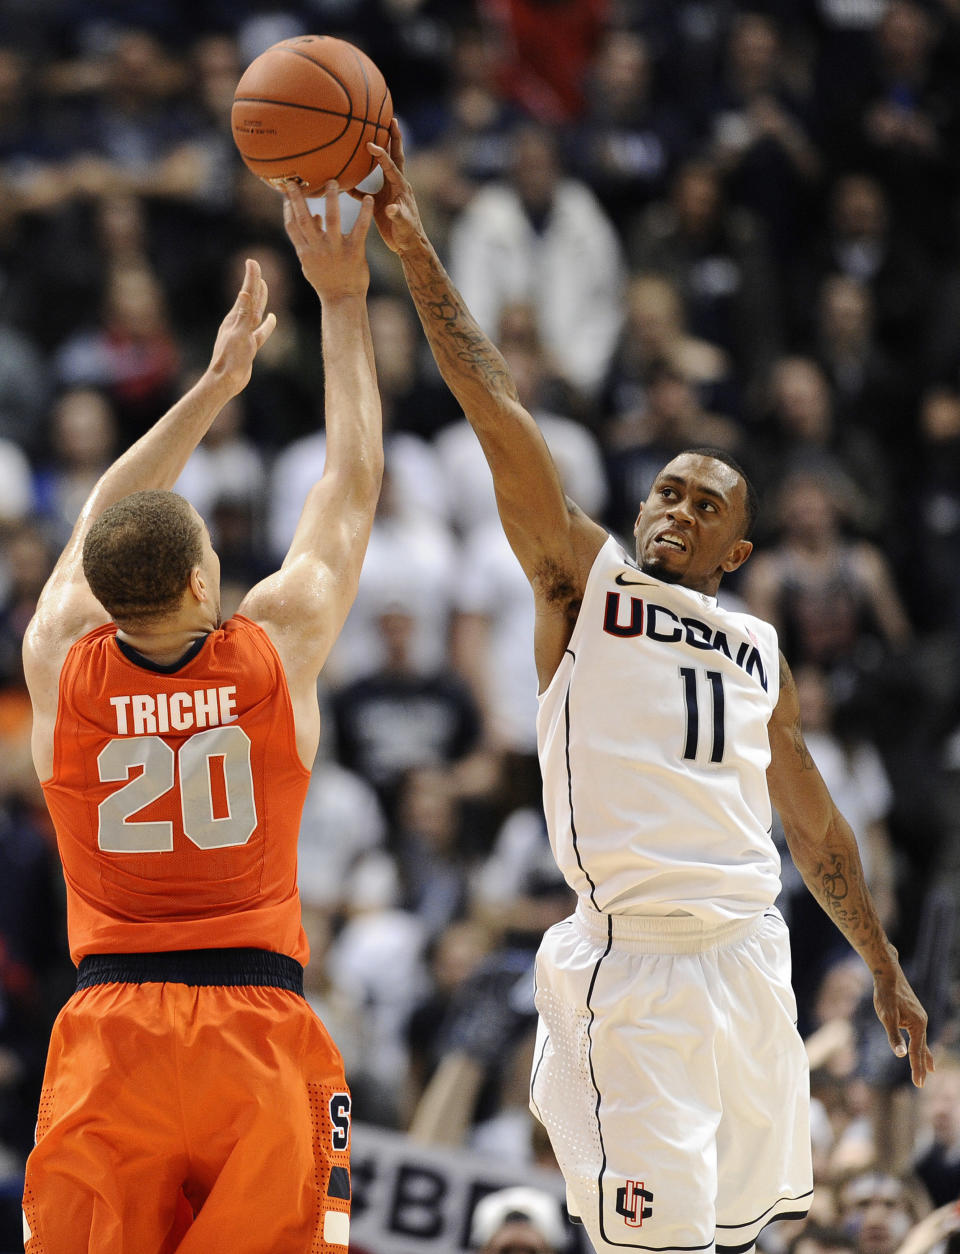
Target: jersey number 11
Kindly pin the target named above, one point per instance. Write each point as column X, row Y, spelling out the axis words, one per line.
column 714, row 681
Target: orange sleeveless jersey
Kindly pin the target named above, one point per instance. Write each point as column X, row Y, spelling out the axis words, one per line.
column 177, row 797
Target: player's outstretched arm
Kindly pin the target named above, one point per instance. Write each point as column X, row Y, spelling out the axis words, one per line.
column 539, row 525
column 824, row 850
column 66, row 608
column 303, row 606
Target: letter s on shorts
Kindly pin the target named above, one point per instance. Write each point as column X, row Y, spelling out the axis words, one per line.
column 339, row 1122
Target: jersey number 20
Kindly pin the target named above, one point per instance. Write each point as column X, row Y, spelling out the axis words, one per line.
column 216, row 760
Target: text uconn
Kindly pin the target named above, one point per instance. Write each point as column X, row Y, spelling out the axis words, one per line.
column 656, row 622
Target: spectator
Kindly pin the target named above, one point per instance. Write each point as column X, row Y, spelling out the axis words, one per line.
column 226, row 467
column 868, row 390
column 410, row 559
column 547, row 49
column 431, row 848
column 16, row 492
column 415, row 493
column 931, row 570
column 518, row 1220
column 480, row 119
column 719, row 258
column 627, row 143
column 342, row 825
column 376, row 962
column 280, row 403
column 82, row 436
column 452, row 957
column 815, row 1239
column 23, row 388
column 655, row 332
column 901, row 122
column 879, row 1209
column 861, row 239
column 28, row 558
column 131, row 352
column 397, row 718
column 576, row 451
column 486, row 1039
column 937, row 1157
column 760, row 137
column 825, row 593
column 543, row 237
column 801, row 434
column 414, row 399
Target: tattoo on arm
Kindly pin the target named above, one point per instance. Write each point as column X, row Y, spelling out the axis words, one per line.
column 843, row 894
column 452, row 332
column 788, row 684
column 803, row 753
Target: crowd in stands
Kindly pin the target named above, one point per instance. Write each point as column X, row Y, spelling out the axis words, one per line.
column 683, row 222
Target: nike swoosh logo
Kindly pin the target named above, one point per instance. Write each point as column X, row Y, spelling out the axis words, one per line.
column 633, row 583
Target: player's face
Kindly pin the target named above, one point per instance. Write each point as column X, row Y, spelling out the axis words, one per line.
column 689, row 529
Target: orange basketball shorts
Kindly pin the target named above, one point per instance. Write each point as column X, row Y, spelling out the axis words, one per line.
column 203, row 1120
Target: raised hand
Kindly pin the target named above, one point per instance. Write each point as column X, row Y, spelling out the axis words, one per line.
column 243, row 331
column 333, row 264
column 394, row 205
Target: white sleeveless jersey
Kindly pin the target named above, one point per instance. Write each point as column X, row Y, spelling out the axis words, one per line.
column 654, row 749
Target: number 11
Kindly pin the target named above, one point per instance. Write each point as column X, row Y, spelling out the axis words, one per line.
column 690, row 691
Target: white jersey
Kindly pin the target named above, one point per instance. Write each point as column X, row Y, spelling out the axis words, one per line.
column 654, row 749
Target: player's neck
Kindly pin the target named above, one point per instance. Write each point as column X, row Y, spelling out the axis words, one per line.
column 165, row 644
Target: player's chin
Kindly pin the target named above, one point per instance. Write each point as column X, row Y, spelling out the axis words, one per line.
column 665, row 567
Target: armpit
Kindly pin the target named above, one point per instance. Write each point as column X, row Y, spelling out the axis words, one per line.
column 557, row 585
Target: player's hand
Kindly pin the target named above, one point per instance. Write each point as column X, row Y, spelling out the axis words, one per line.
column 898, row 1009
column 394, row 205
column 243, row 331
column 333, row 264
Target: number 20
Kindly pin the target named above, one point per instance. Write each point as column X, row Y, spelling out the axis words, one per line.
column 162, row 769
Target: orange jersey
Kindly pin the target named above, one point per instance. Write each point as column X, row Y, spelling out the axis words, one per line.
column 176, row 797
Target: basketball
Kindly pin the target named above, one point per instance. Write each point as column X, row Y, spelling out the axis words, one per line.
column 306, row 109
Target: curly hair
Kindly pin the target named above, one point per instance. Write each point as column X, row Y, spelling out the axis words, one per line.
column 138, row 555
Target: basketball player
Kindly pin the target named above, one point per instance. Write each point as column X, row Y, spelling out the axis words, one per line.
column 668, row 1070
column 192, row 1100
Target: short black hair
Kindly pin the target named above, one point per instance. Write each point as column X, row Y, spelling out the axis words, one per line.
column 138, row 555
column 752, row 501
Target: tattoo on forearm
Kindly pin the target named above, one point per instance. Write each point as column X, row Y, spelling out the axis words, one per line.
column 452, row 332
column 843, row 894
column 803, row 753
column 788, row 684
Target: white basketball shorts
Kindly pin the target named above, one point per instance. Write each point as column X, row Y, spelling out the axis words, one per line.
column 672, row 1080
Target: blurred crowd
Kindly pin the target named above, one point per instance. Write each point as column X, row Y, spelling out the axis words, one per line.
column 683, row 222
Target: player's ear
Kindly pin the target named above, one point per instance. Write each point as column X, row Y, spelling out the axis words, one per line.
column 197, row 584
column 636, row 525
column 737, row 555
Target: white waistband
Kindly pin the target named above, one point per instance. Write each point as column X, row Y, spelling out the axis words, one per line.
column 663, row 934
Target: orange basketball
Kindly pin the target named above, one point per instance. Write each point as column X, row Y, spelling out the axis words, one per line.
column 307, row 108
